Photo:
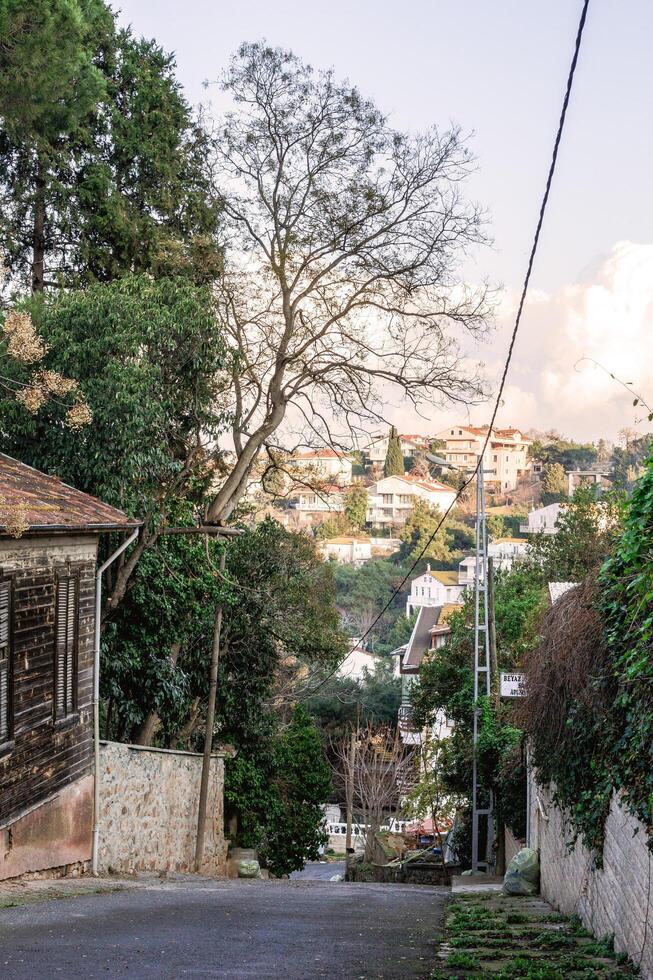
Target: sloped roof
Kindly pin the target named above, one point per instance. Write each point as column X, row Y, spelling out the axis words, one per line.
column 420, row 639
column 45, row 503
column 445, row 578
column 326, row 453
column 347, row 539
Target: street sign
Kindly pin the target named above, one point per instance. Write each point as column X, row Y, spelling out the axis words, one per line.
column 513, row 685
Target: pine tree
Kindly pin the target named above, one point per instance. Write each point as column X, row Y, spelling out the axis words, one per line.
column 103, row 168
column 394, row 459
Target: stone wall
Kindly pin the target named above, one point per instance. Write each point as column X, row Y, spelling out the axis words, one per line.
column 148, row 810
column 615, row 900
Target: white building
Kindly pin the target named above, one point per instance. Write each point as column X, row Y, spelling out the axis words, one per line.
column 411, row 446
column 347, row 550
column 430, row 632
column 322, row 464
column 316, row 504
column 542, row 520
column 392, row 499
column 506, row 454
column 434, row 589
column 504, row 552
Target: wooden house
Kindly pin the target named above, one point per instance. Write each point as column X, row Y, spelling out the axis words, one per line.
column 49, row 534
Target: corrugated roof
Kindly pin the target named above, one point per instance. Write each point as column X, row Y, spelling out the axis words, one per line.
column 46, row 503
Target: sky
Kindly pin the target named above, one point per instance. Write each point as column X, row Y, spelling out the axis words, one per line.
column 498, row 69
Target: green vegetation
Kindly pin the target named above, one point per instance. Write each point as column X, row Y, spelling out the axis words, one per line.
column 450, row 543
column 486, row 936
column 103, row 168
column 356, row 506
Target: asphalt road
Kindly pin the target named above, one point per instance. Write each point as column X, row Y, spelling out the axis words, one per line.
column 296, row 929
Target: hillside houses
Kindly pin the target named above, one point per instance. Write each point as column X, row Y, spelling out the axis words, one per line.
column 411, row 446
column 542, row 520
column 322, row 464
column 434, row 588
column 392, row 499
column 506, row 455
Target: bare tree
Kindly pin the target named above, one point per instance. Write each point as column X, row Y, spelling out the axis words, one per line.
column 343, row 239
column 382, row 767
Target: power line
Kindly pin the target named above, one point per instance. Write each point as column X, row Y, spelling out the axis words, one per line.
column 511, row 346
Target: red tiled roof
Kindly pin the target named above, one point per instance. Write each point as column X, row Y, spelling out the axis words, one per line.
column 326, row 453
column 45, row 503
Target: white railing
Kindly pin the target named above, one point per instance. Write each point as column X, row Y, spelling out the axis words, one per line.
column 359, row 830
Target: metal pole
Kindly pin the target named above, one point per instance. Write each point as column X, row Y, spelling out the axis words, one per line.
column 351, row 762
column 481, row 670
column 96, row 697
column 208, row 736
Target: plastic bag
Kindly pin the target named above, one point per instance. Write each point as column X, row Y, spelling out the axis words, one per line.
column 522, row 876
column 248, row 869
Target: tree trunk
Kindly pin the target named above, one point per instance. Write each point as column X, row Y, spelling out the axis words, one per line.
column 152, row 722
column 188, row 727
column 38, row 231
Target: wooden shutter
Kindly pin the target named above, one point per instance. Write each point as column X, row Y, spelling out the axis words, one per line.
column 66, row 645
column 5, row 633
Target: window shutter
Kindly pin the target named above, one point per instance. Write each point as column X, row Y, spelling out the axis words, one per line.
column 62, row 632
column 70, row 644
column 5, row 614
column 66, row 635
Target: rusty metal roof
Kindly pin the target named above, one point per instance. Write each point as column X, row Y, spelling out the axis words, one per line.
column 45, row 503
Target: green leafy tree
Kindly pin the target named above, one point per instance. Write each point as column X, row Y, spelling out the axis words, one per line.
column 333, row 527
column 147, row 356
column 278, row 794
column 496, row 526
column 587, row 527
column 394, row 457
column 554, row 483
column 362, row 594
column 343, row 702
column 356, row 506
column 449, row 544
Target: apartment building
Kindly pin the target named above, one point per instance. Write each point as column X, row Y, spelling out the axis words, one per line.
column 392, row 499
column 506, row 455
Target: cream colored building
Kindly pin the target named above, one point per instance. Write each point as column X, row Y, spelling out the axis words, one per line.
column 348, row 550
column 506, row 454
column 411, row 446
column 392, row 499
column 322, row 464
column 434, row 589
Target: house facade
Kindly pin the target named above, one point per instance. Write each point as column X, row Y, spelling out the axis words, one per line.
column 392, row 500
column 503, row 551
column 411, row 446
column 348, row 550
column 542, row 520
column 434, row 589
column 313, row 505
column 430, row 632
column 47, row 622
column 322, row 464
column 506, row 456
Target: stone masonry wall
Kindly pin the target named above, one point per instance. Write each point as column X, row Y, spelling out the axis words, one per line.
column 148, row 810
column 615, row 900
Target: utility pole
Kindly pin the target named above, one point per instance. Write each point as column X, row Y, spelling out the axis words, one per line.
column 349, row 798
column 481, row 795
column 208, row 735
column 495, row 686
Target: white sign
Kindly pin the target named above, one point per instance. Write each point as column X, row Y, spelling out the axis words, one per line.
column 513, row 685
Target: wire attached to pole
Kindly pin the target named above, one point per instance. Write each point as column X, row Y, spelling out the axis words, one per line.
column 511, row 346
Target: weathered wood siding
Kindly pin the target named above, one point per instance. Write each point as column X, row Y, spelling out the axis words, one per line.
column 46, row 755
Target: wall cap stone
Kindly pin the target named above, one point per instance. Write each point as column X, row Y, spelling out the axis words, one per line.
column 154, row 748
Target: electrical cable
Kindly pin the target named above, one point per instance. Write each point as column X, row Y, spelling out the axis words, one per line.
column 511, row 347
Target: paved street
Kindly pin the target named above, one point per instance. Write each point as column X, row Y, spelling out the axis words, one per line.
column 294, row 929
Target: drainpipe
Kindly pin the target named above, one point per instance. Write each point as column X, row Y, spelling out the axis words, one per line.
column 96, row 696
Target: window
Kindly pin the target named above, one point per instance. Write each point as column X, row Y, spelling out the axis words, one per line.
column 405, row 498
column 66, row 637
column 386, row 498
column 5, row 662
